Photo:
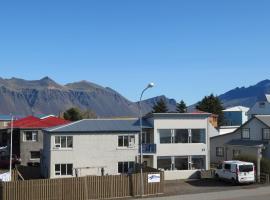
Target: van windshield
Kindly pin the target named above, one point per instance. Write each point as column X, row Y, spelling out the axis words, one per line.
column 246, row 168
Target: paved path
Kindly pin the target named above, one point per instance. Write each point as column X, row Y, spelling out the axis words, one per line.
column 261, row 193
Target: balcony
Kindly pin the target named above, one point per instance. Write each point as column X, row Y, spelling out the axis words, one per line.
column 149, row 148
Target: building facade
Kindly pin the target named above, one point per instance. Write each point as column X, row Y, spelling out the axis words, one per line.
column 252, row 138
column 173, row 142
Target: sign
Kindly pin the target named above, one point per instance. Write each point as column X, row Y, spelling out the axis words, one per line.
column 5, row 177
column 153, row 178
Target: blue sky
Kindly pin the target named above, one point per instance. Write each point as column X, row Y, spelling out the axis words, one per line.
column 188, row 48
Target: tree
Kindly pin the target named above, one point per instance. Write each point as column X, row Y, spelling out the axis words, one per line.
column 75, row 114
column 181, row 107
column 160, row 106
column 212, row 104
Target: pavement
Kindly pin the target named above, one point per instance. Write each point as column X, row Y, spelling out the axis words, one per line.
column 258, row 193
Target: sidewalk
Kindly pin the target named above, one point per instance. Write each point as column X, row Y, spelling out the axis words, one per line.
column 220, row 195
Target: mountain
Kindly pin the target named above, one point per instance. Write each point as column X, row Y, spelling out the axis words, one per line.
column 245, row 96
column 45, row 96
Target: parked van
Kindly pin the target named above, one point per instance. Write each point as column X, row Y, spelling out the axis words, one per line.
column 236, row 171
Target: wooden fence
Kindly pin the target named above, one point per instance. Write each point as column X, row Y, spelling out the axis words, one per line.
column 82, row 188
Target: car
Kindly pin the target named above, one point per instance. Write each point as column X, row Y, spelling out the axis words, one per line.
column 5, row 161
column 236, row 171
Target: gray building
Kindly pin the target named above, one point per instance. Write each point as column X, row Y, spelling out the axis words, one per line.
column 249, row 139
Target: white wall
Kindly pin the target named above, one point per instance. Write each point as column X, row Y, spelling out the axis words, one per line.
column 94, row 151
column 181, row 149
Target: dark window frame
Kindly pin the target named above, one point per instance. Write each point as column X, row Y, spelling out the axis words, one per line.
column 263, row 133
column 245, row 138
column 220, row 155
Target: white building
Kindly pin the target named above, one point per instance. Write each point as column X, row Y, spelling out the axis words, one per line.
column 234, row 117
column 261, row 107
column 176, row 143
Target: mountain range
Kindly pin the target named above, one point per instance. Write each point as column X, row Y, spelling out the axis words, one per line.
column 45, row 96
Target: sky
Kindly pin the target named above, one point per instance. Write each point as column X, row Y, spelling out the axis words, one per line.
column 188, row 48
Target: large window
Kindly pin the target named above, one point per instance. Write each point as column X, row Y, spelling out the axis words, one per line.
column 165, row 136
column 30, row 136
column 266, row 134
column 63, row 169
column 181, row 163
column 198, row 136
column 245, row 133
column 168, row 136
column 220, row 151
column 35, row 155
column 126, row 141
column 198, row 162
column 125, row 167
column 164, row 163
column 168, row 163
column 63, row 142
column 181, row 136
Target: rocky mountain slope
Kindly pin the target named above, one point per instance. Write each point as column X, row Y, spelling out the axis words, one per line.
column 45, row 96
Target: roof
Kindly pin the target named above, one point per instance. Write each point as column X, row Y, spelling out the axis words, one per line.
column 236, row 162
column 193, row 114
column 34, row 122
column 249, row 143
column 237, row 108
column 264, row 118
column 101, row 125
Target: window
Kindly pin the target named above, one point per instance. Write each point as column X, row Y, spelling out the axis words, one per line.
column 198, row 136
column 219, row 151
column 198, row 162
column 35, row 155
column 63, row 142
column 63, row 169
column 126, row 141
column 168, row 136
column 266, row 134
column 164, row 163
column 227, row 166
column 30, row 136
column 181, row 163
column 236, row 153
column 245, row 133
column 165, row 136
column 125, row 167
column 181, row 136
column 168, row 163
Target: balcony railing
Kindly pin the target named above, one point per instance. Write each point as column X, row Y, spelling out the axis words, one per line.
column 149, row 148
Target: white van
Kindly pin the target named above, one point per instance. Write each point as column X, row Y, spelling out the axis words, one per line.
column 236, row 171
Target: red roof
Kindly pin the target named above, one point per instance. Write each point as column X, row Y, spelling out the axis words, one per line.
column 34, row 122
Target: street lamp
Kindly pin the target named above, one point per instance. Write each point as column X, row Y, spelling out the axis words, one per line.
column 11, row 146
column 150, row 85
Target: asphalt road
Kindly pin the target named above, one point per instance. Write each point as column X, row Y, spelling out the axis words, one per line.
column 260, row 193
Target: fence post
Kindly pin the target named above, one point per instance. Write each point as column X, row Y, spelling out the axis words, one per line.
column 85, row 188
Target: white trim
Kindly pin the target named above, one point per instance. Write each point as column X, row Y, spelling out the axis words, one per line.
column 65, row 125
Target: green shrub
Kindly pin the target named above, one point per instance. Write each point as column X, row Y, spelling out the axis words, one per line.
column 265, row 163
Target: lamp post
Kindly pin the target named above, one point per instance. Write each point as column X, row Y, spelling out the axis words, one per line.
column 10, row 151
column 150, row 85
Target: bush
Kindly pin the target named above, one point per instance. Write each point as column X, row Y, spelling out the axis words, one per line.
column 265, row 163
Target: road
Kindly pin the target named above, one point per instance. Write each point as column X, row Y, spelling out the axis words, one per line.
column 260, row 193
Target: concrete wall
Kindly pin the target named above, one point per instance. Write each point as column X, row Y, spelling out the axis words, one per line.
column 183, row 174
column 92, row 151
column 27, row 146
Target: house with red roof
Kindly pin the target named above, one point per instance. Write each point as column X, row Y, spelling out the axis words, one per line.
column 28, row 137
